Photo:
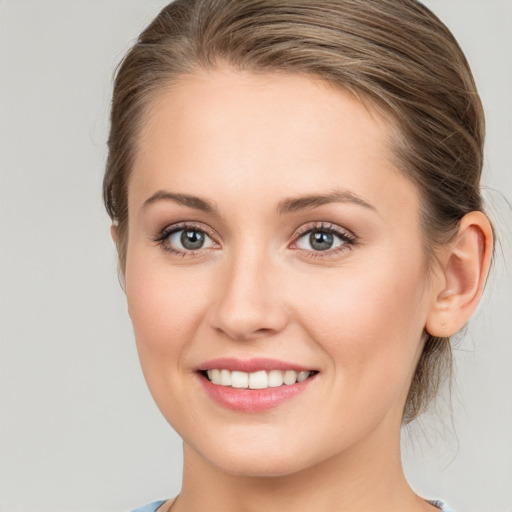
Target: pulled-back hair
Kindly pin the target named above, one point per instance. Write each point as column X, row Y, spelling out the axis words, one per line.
column 395, row 54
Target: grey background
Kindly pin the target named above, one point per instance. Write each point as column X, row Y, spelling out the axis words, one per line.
column 78, row 429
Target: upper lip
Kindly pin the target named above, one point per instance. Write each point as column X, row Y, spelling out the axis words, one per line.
column 250, row 365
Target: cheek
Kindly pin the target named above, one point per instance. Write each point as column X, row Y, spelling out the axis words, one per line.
column 166, row 306
column 164, row 303
column 369, row 320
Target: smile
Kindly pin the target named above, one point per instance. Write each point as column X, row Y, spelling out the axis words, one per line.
column 253, row 385
column 256, row 380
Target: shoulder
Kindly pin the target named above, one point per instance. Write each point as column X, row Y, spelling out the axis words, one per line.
column 151, row 507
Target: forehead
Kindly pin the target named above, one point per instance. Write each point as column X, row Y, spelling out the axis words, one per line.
column 252, row 134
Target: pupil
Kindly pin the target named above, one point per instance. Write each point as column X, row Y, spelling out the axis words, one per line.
column 321, row 241
column 192, row 239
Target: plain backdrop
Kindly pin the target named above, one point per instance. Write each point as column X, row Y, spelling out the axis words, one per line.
column 79, row 431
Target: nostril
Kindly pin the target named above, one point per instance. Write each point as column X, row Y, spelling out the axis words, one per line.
column 246, row 335
column 264, row 330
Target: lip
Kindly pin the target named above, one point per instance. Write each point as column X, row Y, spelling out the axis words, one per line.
column 252, row 400
column 250, row 365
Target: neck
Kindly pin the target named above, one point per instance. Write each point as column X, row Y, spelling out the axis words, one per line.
column 368, row 476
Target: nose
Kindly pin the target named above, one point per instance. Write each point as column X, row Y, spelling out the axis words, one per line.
column 249, row 302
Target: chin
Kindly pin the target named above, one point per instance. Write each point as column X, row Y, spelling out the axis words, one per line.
column 260, row 465
column 261, row 456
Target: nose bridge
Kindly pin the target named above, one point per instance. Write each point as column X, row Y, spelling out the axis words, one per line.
column 248, row 304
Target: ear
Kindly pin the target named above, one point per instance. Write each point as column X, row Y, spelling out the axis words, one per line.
column 464, row 265
column 114, row 233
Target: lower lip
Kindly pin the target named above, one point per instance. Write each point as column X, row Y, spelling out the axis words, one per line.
column 253, row 400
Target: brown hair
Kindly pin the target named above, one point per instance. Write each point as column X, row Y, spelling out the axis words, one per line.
column 394, row 53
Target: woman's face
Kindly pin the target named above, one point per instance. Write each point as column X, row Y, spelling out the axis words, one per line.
column 269, row 231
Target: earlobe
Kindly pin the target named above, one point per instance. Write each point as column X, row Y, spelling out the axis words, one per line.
column 114, row 233
column 465, row 265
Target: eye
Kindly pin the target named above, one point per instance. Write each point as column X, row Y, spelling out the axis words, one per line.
column 189, row 239
column 324, row 238
column 184, row 239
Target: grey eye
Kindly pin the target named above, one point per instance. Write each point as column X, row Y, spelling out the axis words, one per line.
column 319, row 240
column 190, row 239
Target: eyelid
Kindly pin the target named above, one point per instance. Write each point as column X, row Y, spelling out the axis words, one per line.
column 323, row 226
column 328, row 227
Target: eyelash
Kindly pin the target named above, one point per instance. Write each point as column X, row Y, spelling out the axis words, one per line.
column 349, row 239
column 162, row 237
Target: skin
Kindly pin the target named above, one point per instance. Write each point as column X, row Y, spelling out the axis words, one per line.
column 357, row 313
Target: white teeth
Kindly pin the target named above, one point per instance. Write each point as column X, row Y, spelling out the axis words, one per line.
column 290, row 377
column 225, row 378
column 275, row 378
column 214, row 376
column 256, row 380
column 239, row 379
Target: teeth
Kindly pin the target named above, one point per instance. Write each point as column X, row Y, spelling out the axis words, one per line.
column 214, row 375
column 256, row 380
column 275, row 378
column 302, row 376
column 290, row 377
column 239, row 379
column 225, row 378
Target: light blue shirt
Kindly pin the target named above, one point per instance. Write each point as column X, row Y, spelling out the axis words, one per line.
column 149, row 508
column 153, row 506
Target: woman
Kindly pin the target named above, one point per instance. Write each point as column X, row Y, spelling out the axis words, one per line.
column 294, row 190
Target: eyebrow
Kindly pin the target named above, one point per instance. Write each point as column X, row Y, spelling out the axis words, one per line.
column 315, row 200
column 186, row 200
column 291, row 205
